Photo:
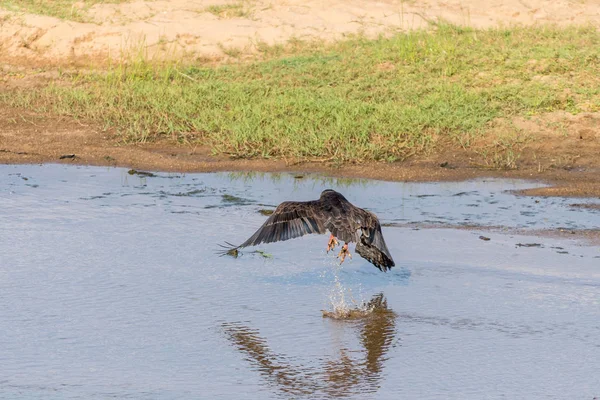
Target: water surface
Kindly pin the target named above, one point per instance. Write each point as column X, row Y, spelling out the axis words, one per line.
column 110, row 288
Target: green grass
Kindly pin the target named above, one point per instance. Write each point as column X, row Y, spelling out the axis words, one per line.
column 358, row 99
column 63, row 9
column 232, row 10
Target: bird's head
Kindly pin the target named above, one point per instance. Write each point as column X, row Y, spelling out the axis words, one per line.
column 332, row 195
column 327, row 193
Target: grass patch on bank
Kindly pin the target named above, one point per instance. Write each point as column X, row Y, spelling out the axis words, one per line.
column 72, row 10
column 231, row 10
column 357, row 99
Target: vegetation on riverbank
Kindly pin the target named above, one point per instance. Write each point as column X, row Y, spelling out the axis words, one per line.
column 73, row 10
column 357, row 99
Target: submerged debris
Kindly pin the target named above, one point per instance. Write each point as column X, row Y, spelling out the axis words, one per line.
column 232, row 250
column 572, row 232
column 228, row 198
column 191, row 193
column 265, row 212
column 141, row 173
column 263, row 253
column 469, row 193
column 529, row 245
column 484, row 238
column 590, row 206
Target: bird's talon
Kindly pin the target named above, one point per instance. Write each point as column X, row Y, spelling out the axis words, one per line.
column 332, row 243
column 343, row 253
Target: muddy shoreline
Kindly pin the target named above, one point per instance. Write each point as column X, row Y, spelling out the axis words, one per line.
column 569, row 182
column 30, row 138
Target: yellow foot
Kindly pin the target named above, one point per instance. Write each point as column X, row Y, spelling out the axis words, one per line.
column 344, row 253
column 332, row 243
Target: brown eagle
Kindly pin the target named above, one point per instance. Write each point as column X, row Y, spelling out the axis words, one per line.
column 333, row 213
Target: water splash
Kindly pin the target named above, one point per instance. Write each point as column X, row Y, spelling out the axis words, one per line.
column 342, row 300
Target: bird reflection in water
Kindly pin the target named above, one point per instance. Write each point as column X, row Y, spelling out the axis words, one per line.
column 344, row 376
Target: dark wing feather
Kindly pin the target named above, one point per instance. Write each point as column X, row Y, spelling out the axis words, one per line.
column 372, row 246
column 291, row 219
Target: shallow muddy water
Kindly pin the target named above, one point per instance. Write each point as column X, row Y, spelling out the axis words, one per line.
column 110, row 288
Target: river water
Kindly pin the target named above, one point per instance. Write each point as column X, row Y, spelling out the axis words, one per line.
column 110, row 287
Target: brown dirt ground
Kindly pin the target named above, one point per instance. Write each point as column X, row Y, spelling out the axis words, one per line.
column 565, row 152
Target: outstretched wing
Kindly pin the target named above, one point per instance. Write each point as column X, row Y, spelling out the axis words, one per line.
column 371, row 245
column 291, row 219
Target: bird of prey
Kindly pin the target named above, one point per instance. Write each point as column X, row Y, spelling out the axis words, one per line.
column 333, row 213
